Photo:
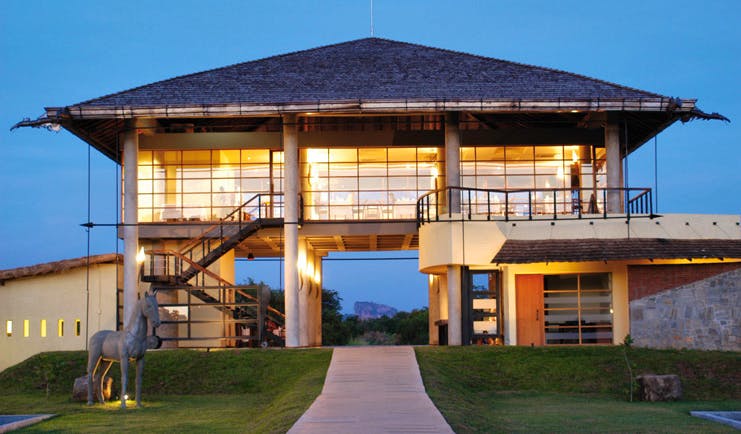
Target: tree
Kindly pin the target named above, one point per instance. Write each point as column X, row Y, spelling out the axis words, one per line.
column 334, row 329
column 413, row 328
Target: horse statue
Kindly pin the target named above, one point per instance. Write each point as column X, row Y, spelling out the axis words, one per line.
column 121, row 346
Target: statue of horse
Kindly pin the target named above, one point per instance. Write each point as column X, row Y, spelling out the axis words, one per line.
column 121, row 346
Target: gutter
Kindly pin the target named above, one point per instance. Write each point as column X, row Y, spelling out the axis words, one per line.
column 658, row 104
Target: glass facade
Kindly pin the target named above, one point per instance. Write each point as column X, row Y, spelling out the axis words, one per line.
column 204, row 185
column 561, row 178
column 366, row 183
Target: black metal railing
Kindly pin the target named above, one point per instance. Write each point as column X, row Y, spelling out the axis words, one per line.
column 259, row 211
column 527, row 204
column 246, row 319
column 258, row 207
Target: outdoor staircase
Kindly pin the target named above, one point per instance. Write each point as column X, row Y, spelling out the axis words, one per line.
column 179, row 267
column 188, row 266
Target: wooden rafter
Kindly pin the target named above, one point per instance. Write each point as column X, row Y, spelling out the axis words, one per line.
column 340, row 243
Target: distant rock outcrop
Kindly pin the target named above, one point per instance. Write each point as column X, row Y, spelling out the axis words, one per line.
column 369, row 310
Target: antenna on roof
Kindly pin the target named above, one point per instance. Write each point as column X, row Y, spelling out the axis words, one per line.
column 371, row 17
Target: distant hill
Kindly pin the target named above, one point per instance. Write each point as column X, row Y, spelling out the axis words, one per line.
column 370, row 310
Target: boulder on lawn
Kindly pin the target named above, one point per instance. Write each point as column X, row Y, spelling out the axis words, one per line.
column 659, row 387
column 79, row 391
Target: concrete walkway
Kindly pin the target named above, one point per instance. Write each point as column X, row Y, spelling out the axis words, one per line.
column 372, row 390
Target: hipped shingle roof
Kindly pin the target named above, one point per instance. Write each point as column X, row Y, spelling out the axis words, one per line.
column 369, row 69
column 594, row 249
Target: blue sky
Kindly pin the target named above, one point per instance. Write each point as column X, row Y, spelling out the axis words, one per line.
column 59, row 53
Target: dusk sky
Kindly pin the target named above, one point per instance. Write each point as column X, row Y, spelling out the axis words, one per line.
column 55, row 53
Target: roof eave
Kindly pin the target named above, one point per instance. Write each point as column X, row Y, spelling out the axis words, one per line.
column 658, row 104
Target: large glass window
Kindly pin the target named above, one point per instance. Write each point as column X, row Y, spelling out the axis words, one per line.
column 203, row 185
column 562, row 177
column 578, row 308
column 367, row 183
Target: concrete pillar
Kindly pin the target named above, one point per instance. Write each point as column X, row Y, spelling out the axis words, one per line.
column 455, row 336
column 317, row 300
column 442, row 294
column 453, row 159
column 131, row 217
column 305, row 277
column 433, row 286
column 290, row 229
column 614, row 167
column 224, row 267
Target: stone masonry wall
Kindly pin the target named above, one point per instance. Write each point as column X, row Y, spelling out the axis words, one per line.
column 705, row 314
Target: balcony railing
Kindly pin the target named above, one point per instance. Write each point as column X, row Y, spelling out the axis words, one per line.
column 462, row 203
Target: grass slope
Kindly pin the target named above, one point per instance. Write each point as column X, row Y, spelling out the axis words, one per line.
column 183, row 391
column 574, row 389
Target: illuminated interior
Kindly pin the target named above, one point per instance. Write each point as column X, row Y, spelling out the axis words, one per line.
column 361, row 183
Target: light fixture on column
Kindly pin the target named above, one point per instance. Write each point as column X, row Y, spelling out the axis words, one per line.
column 140, row 258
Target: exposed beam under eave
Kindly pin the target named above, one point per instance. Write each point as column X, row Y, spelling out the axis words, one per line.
column 340, row 243
column 273, row 246
column 407, row 241
column 505, row 136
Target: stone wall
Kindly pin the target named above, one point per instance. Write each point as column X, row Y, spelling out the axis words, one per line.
column 705, row 314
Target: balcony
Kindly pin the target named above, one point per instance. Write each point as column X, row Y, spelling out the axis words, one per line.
column 458, row 203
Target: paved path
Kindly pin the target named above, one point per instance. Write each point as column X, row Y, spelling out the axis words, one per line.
column 372, row 390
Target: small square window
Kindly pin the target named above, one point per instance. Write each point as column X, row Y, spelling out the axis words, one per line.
column 43, row 328
column 60, row 328
column 26, row 328
column 77, row 327
column 9, row 328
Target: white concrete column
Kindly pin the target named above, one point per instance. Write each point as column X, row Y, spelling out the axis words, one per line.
column 453, row 159
column 290, row 229
column 442, row 294
column 305, row 277
column 433, row 287
column 455, row 336
column 131, row 218
column 614, row 167
column 317, row 300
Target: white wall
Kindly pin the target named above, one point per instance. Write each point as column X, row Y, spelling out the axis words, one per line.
column 53, row 297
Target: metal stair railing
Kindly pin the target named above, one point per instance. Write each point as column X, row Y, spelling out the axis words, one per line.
column 251, row 310
column 216, row 240
column 235, row 227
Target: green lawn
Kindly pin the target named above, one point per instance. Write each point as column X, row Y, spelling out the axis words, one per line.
column 184, row 391
column 478, row 389
column 515, row 389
